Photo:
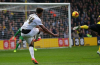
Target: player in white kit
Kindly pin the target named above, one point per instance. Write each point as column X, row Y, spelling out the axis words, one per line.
column 28, row 30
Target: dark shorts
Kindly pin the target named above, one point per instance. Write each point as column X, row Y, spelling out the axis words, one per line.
column 25, row 31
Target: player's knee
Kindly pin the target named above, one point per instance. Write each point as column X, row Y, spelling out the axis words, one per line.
column 39, row 32
column 20, row 41
column 30, row 45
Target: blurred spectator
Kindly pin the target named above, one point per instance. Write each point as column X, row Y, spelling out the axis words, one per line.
column 21, row 24
column 54, row 30
column 15, row 30
column 75, row 34
column 3, row 25
column 11, row 15
column 10, row 34
column 66, row 34
column 84, row 34
column 89, row 34
column 0, row 31
column 4, row 33
column 65, row 22
column 81, row 34
column 18, row 23
column 57, row 22
column 0, row 26
column 53, row 23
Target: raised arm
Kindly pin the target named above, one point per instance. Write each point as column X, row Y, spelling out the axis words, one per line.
column 19, row 31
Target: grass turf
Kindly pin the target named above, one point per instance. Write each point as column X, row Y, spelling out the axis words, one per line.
column 60, row 56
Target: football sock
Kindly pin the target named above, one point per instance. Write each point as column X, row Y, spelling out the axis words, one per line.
column 31, row 50
column 99, row 47
column 84, row 27
column 17, row 46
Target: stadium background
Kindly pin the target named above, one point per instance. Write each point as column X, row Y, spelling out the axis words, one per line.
column 88, row 10
column 84, row 48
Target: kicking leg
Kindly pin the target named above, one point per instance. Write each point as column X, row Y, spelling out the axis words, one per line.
column 37, row 37
column 31, row 49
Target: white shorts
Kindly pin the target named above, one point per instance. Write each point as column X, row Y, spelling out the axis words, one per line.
column 29, row 37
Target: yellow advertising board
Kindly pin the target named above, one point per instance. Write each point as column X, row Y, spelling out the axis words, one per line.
column 53, row 42
column 46, row 43
column 1, row 45
column 90, row 41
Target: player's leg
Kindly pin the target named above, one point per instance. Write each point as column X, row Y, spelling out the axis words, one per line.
column 92, row 27
column 32, row 53
column 31, row 49
column 19, row 42
column 37, row 37
column 34, row 47
column 29, row 40
column 98, row 52
column 95, row 28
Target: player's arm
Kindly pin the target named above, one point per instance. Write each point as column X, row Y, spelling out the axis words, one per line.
column 43, row 28
column 47, row 31
column 19, row 31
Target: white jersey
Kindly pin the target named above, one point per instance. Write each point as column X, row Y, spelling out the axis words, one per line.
column 32, row 21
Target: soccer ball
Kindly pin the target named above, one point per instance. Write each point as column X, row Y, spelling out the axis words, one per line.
column 75, row 14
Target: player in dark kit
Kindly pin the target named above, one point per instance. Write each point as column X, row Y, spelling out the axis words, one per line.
column 94, row 27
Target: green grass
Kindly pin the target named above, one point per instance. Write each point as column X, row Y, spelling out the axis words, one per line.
column 59, row 56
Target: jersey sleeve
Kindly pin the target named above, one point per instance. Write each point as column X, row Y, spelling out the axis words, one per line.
column 19, row 31
column 38, row 22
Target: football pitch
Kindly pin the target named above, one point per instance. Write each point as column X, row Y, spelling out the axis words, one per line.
column 84, row 55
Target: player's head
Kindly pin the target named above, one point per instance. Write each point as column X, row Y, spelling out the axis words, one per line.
column 39, row 11
column 98, row 18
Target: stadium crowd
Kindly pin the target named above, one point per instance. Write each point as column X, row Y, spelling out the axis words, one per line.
column 88, row 10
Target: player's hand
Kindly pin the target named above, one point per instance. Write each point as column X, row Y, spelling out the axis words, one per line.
column 76, row 27
column 13, row 37
column 56, row 35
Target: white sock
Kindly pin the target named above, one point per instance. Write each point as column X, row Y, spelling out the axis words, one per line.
column 31, row 50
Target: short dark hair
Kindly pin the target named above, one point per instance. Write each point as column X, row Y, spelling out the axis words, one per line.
column 39, row 10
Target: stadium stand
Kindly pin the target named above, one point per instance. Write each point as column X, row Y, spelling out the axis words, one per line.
column 88, row 13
